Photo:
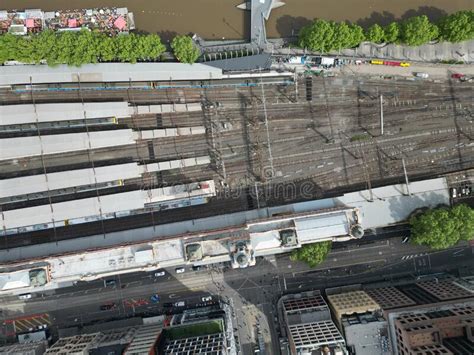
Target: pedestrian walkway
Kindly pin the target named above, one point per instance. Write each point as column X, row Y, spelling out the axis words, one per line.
column 434, row 71
column 434, row 53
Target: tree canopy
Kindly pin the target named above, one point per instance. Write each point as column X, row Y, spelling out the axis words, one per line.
column 418, row 30
column 77, row 48
column 312, row 254
column 392, row 32
column 184, row 49
column 443, row 227
column 457, row 27
column 375, row 34
column 324, row 36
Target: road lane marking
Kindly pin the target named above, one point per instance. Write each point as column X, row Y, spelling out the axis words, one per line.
column 340, row 266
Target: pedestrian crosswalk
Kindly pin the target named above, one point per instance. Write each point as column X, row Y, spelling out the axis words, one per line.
column 411, row 256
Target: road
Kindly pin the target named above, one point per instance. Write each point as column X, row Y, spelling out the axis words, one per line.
column 253, row 291
column 273, row 141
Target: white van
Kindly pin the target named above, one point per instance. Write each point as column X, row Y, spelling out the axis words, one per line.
column 25, row 296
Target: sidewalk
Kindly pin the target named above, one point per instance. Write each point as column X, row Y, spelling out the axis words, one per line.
column 437, row 72
column 434, row 53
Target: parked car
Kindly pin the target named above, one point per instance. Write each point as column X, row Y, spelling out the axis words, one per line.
column 108, row 306
column 180, row 304
column 457, row 75
column 422, row 75
column 206, row 298
column 110, row 282
column 196, row 267
column 25, row 296
column 167, row 304
column 160, row 273
column 180, row 270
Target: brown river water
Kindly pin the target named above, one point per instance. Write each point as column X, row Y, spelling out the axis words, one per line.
column 217, row 19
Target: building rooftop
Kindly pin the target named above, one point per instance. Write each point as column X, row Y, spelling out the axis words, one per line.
column 251, row 62
column 19, row 147
column 31, row 348
column 392, row 204
column 305, row 302
column 29, row 113
column 106, row 72
column 352, row 302
column 370, row 338
column 315, row 334
column 211, row 344
column 144, row 340
column 389, row 297
column 444, row 289
column 77, row 344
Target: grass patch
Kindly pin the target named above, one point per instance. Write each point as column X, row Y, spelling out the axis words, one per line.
column 359, row 137
column 194, row 330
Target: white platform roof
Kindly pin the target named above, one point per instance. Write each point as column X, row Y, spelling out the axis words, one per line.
column 392, row 204
column 18, row 279
column 320, row 228
column 106, row 72
column 21, row 114
column 11, row 148
column 99, row 206
column 66, row 179
column 62, row 211
column 170, row 251
column 265, row 240
column 178, row 164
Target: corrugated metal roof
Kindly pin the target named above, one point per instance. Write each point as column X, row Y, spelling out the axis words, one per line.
column 65, row 179
column 95, row 206
column 265, row 240
column 73, row 209
column 21, row 114
column 251, row 62
column 106, row 72
column 392, row 204
column 11, row 148
column 324, row 227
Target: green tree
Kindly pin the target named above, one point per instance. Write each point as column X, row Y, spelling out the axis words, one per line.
column 358, row 35
column 392, row 32
column 126, row 49
column 106, row 48
column 150, row 47
column 184, row 49
column 43, row 46
column 317, row 36
column 418, row 30
column 343, row 36
column 457, row 27
column 375, row 34
column 312, row 254
column 443, row 227
column 86, row 48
